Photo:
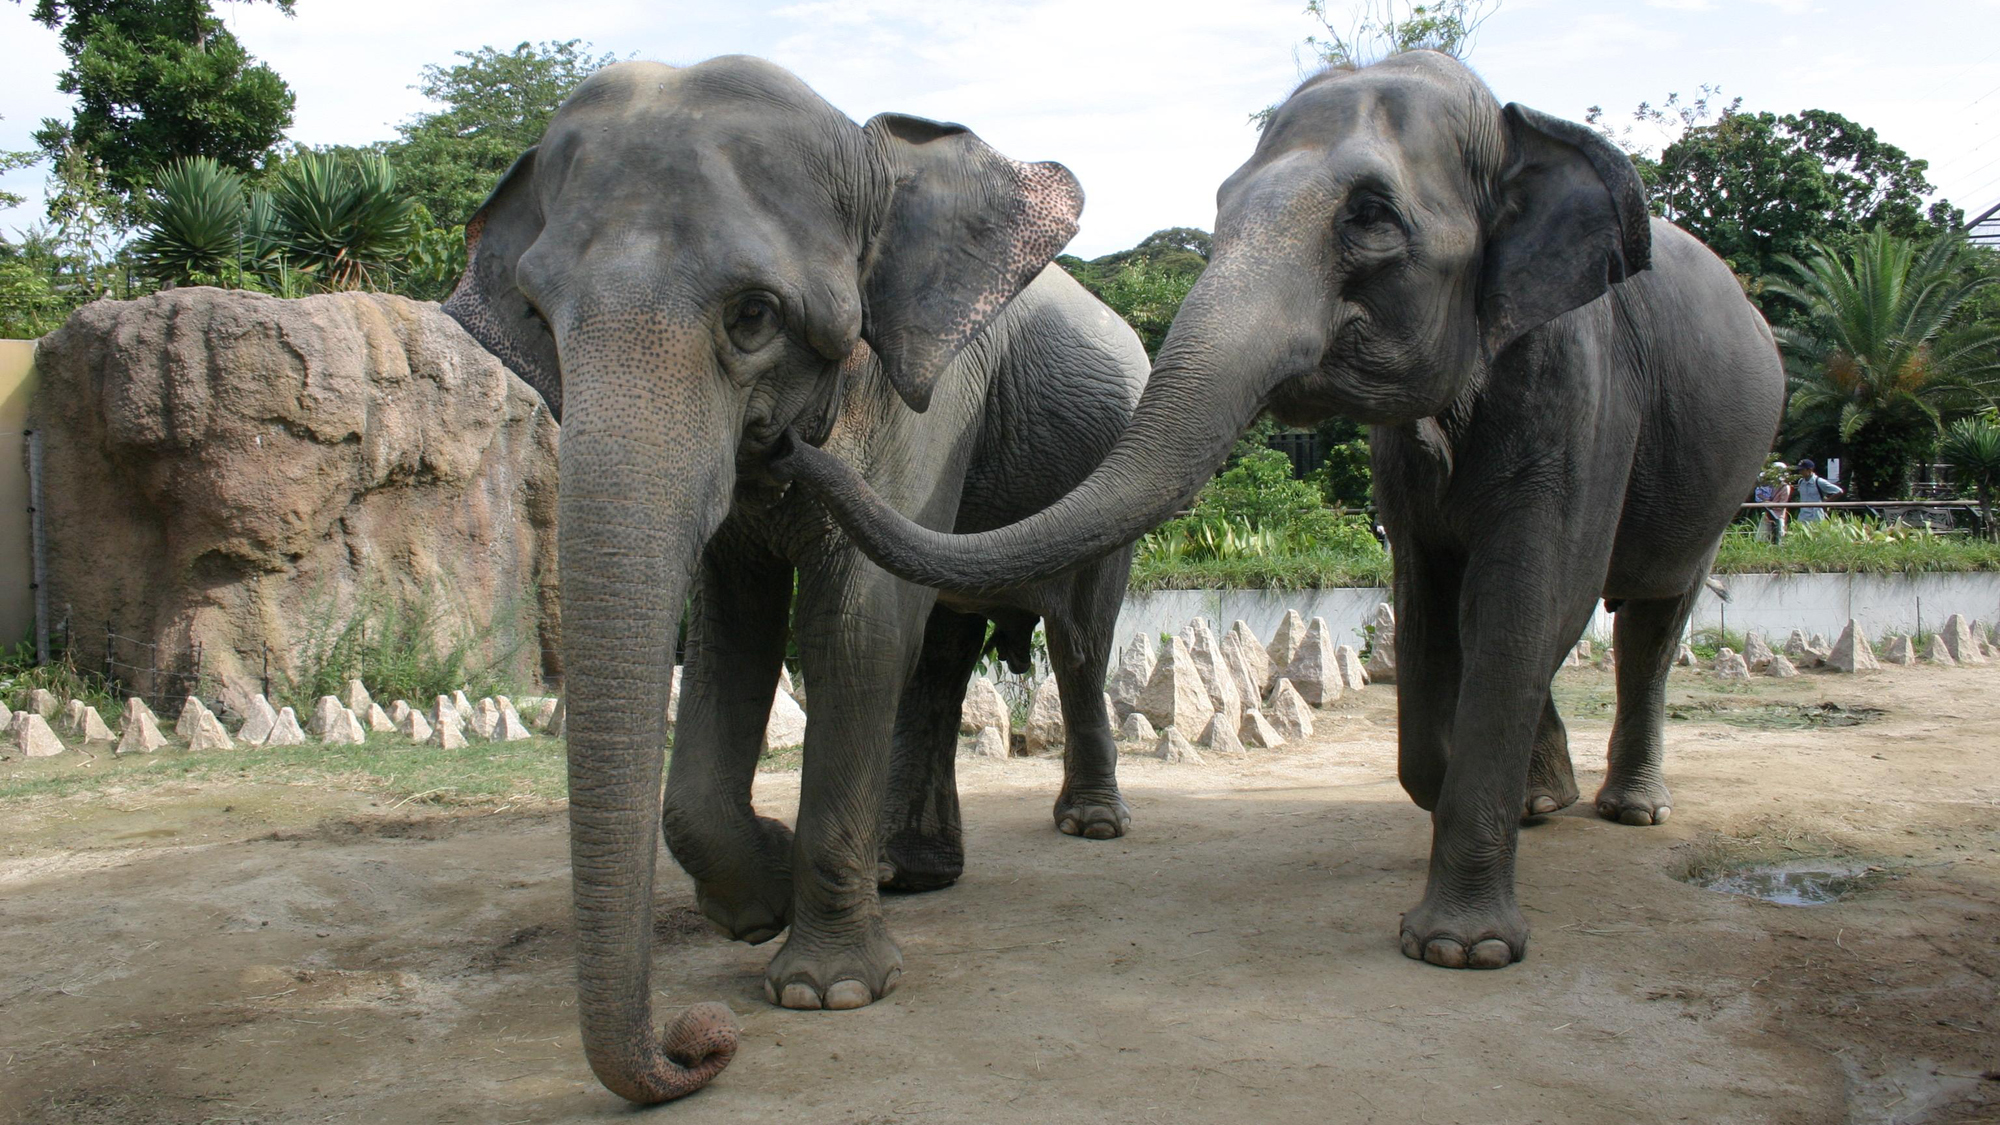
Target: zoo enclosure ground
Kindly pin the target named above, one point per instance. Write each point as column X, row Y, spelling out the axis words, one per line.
column 231, row 950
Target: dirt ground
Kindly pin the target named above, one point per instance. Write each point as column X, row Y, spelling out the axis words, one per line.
column 247, row 953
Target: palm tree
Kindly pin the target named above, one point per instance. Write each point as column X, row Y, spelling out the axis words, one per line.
column 1971, row 446
column 1879, row 362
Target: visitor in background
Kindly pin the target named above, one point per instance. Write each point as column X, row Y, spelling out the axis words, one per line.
column 1775, row 487
column 1813, row 488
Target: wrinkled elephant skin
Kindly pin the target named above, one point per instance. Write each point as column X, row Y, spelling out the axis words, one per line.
column 1568, row 400
column 691, row 265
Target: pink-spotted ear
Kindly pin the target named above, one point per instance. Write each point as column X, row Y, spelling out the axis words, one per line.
column 965, row 229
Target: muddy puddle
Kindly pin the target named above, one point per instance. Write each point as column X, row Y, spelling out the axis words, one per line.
column 1799, row 882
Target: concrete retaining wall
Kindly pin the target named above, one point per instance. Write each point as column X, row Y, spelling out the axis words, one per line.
column 1774, row 604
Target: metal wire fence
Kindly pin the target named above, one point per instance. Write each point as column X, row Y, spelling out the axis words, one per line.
column 163, row 677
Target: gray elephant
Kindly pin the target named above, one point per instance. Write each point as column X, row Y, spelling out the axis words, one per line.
column 691, row 263
column 1550, row 424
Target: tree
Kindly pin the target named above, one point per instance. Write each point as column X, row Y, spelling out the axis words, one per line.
column 1759, row 187
column 1146, row 284
column 1880, row 359
column 1971, row 446
column 496, row 105
column 157, row 80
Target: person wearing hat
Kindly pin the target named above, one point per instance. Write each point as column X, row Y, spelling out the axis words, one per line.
column 1774, row 487
column 1813, row 488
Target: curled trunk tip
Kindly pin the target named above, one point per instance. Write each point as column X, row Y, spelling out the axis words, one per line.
column 694, row 1047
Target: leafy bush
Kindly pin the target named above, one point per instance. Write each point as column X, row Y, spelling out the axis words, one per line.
column 1972, row 448
column 194, row 222
column 1850, row 544
column 1255, row 517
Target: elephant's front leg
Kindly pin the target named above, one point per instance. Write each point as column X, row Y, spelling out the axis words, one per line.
column 858, row 633
column 1513, row 615
column 923, row 839
column 740, row 862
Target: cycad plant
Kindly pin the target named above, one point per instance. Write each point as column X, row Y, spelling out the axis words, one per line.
column 1971, row 446
column 343, row 221
column 195, row 223
column 1879, row 361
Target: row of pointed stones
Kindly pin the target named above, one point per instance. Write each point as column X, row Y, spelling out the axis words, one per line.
column 1958, row 642
column 784, row 728
column 335, row 722
column 1226, row 693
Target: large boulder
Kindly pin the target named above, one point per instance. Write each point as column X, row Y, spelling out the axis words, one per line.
column 226, row 470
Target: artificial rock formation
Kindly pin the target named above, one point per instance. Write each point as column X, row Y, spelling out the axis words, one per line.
column 1731, row 666
column 1174, row 747
column 984, row 709
column 1382, row 646
column 415, row 727
column 1851, row 652
column 989, row 744
column 1312, row 671
column 1756, row 651
column 1257, row 731
column 1285, row 642
column 43, row 702
column 1220, row 736
column 1960, row 642
column 224, row 469
column 139, row 731
column 1897, row 648
column 1045, row 733
column 1347, row 663
column 286, row 731
column 1288, row 711
column 259, row 720
column 1937, row 652
column 1215, row 677
column 31, row 736
column 1175, row 697
column 357, row 698
column 786, row 727
column 344, row 729
column 1137, row 728
column 1135, row 668
column 91, row 728
column 1780, row 666
column 1256, row 659
column 208, row 733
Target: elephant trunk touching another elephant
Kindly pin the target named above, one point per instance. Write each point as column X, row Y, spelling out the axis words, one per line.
column 1568, row 400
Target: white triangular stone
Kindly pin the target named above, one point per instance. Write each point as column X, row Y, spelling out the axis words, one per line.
column 1937, row 652
column 1137, row 728
column 286, row 731
column 786, row 727
column 510, row 728
column 1256, row 660
column 1312, row 670
column 1221, row 736
column 1780, row 666
column 1958, row 640
column 43, row 702
column 139, row 731
column 1258, row 732
column 1045, row 733
column 447, row 736
column 1897, row 649
column 344, row 730
column 1731, row 666
column 1756, row 651
column 1175, row 696
column 988, row 744
column 1851, row 652
column 378, row 719
column 259, row 717
column 357, row 698
column 1289, row 712
column 1347, row 663
column 209, row 734
column 72, row 716
column 31, row 735
column 326, row 717
column 1291, row 632
column 1174, row 747
column 92, row 728
column 190, row 720
column 415, row 727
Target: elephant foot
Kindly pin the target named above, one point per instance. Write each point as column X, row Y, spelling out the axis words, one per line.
column 1094, row 814
column 752, row 902
column 835, row 973
column 1465, row 938
column 914, row 861
column 1543, row 801
column 1637, row 804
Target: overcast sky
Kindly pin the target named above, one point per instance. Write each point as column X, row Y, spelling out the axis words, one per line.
column 1146, row 101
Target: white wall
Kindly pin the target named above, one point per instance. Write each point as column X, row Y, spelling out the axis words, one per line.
column 1774, row 604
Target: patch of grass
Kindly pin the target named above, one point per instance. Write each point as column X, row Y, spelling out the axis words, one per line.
column 412, row 649
column 479, row 773
column 19, row 675
column 1855, row 546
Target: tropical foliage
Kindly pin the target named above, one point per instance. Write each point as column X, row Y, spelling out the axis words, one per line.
column 1878, row 361
column 1971, row 448
column 157, row 81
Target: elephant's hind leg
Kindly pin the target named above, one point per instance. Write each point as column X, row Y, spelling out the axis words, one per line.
column 923, row 839
column 1551, row 781
column 1089, row 804
column 1646, row 634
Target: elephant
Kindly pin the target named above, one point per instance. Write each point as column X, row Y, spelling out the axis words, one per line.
column 690, row 264
column 1567, row 400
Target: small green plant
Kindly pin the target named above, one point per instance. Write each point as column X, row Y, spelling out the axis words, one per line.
column 1971, row 446
column 19, row 675
column 401, row 648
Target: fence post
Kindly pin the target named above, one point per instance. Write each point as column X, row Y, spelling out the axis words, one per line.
column 110, row 658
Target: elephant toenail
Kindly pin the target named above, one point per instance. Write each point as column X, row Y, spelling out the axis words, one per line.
column 889, row 982
column 1446, row 952
column 1101, row 831
column 770, row 992
column 1542, row 806
column 1636, row 817
column 1660, row 814
column 801, row 996
column 1491, row 954
column 1068, row 827
column 1411, row 947
column 847, row 994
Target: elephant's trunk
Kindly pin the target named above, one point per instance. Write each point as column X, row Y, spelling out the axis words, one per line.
column 1238, row 336
column 641, row 491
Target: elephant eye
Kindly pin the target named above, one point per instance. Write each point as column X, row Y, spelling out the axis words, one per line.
column 754, row 322
column 1371, row 213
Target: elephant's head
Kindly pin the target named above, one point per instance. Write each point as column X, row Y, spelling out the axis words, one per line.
column 690, row 264
column 1395, row 231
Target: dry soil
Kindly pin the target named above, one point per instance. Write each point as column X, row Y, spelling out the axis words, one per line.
column 249, row 953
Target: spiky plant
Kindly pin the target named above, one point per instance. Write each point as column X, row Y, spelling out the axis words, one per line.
column 1879, row 362
column 1971, row 446
column 194, row 222
column 343, row 222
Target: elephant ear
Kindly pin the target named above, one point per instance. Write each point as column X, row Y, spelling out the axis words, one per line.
column 488, row 303
column 1572, row 222
column 965, row 229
